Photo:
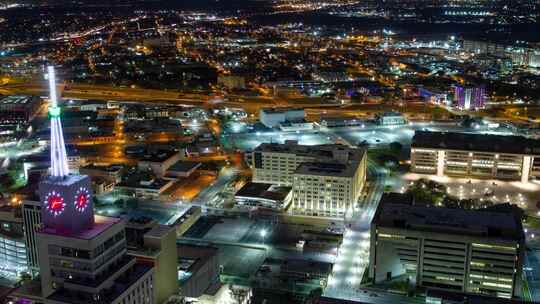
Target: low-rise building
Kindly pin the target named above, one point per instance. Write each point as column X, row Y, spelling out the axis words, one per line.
column 18, row 109
column 471, row 251
column 475, row 155
column 143, row 185
column 390, row 119
column 159, row 162
column 264, row 195
column 182, row 169
column 273, row 117
column 111, row 172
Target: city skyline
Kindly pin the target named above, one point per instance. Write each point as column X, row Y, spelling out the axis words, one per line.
column 288, row 151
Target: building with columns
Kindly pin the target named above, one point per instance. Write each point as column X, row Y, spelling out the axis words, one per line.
column 475, row 155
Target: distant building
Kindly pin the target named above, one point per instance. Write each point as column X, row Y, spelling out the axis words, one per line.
column 326, row 179
column 264, row 195
column 469, row 98
column 484, row 47
column 471, row 251
column 433, row 96
column 475, row 155
column 182, row 168
column 232, row 82
column 143, row 185
column 159, row 162
column 390, row 119
column 340, row 122
column 18, row 109
column 41, row 162
column 273, row 117
column 111, row 172
column 534, row 59
column 300, row 125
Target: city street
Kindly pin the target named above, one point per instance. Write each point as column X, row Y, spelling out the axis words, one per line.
column 353, row 255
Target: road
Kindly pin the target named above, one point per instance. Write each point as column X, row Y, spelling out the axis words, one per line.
column 532, row 268
column 208, row 195
column 353, row 254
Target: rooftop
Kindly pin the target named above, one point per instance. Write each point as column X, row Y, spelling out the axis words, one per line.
column 101, row 224
column 279, row 110
column 159, row 231
column 184, row 166
column 326, row 169
column 475, row 142
column 120, row 285
column 18, row 99
column 264, row 191
column 500, row 223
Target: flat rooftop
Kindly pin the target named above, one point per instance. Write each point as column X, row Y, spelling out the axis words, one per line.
column 326, row 169
column 264, row 191
column 497, row 223
column 184, row 166
column 18, row 99
column 476, row 142
column 101, row 224
column 280, row 110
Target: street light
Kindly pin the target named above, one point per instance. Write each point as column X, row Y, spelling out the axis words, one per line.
column 263, row 233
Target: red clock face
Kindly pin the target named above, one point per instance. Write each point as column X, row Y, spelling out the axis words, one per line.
column 54, row 202
column 82, row 198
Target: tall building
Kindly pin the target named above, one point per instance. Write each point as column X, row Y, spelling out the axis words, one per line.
column 13, row 261
column 470, row 251
column 326, row 179
column 155, row 244
column 469, row 98
column 82, row 257
column 31, row 214
column 475, row 155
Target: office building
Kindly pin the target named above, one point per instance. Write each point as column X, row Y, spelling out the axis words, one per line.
column 82, row 257
column 475, row 155
column 13, row 262
column 198, row 269
column 273, row 117
column 155, row 244
column 469, row 98
column 326, row 179
column 159, row 162
column 471, row 251
column 31, row 214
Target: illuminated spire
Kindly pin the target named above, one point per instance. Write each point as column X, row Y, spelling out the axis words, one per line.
column 59, row 164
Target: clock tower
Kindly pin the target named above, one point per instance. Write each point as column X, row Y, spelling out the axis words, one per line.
column 66, row 199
